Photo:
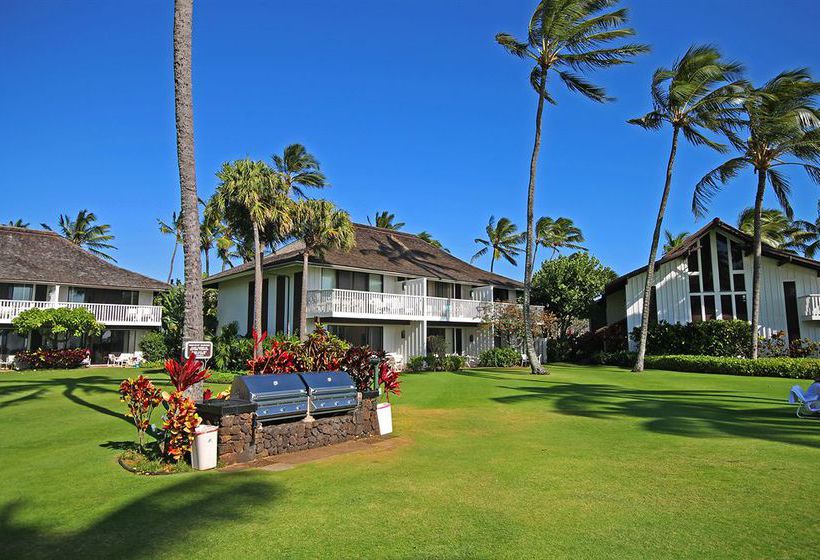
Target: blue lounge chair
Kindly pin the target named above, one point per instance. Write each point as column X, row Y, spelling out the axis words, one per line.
column 808, row 403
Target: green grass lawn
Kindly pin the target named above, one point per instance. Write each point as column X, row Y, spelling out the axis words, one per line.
column 585, row 463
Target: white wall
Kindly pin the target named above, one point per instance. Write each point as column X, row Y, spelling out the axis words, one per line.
column 672, row 282
column 232, row 304
column 772, row 301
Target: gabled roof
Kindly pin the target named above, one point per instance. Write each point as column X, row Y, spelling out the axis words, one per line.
column 385, row 250
column 35, row 256
column 690, row 243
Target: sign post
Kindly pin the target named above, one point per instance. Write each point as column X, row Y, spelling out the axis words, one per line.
column 202, row 349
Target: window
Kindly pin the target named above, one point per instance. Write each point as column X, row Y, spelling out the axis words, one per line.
column 19, row 292
column 328, row 281
column 723, row 262
column 727, row 299
column 349, row 280
column 101, row 295
column 360, row 335
column 708, row 283
column 376, row 283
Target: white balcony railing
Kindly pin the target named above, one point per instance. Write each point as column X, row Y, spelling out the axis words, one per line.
column 109, row 314
column 376, row 305
column 812, row 307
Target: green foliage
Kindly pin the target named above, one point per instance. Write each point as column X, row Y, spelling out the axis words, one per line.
column 153, row 346
column 503, row 239
column 454, row 362
column 797, row 368
column 64, row 358
column 416, row 363
column 706, row 338
column 568, row 285
column 433, row 362
column 173, row 314
column 58, row 324
column 231, row 351
column 499, row 357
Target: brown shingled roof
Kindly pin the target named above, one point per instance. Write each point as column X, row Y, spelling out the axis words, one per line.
column 388, row 251
column 29, row 255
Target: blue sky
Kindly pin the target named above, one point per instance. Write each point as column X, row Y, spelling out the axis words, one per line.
column 410, row 106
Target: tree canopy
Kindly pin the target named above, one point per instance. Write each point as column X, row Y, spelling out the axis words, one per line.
column 58, row 324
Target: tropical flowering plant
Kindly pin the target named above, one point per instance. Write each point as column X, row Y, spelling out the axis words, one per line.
column 181, row 421
column 142, row 398
column 208, row 395
column 276, row 359
column 185, row 374
column 389, row 380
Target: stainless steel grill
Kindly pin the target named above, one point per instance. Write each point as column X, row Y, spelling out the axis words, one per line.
column 330, row 391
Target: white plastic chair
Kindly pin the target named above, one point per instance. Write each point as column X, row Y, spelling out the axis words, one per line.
column 7, row 362
column 808, row 403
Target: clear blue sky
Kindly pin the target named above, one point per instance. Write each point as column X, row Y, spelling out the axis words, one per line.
column 410, row 106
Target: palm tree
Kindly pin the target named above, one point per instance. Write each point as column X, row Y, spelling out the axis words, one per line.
column 428, row 237
column 299, row 169
column 558, row 234
column 193, row 327
column 810, row 235
column 251, row 192
column 504, row 240
column 673, row 241
column 783, row 124
column 384, row 220
column 83, row 231
column 563, row 37
column 776, row 229
column 320, row 226
column 173, row 228
column 698, row 93
column 18, row 223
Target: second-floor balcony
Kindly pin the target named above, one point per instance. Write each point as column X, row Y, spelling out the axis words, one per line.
column 109, row 314
column 811, row 311
column 353, row 304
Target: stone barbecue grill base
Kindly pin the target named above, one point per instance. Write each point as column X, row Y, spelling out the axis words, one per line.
column 239, row 442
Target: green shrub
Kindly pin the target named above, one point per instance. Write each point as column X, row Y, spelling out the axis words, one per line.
column 797, row 368
column 705, row 338
column 622, row 358
column 221, row 377
column 499, row 357
column 153, row 346
column 454, row 362
column 416, row 363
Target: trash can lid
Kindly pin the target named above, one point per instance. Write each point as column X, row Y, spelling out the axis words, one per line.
column 206, row 428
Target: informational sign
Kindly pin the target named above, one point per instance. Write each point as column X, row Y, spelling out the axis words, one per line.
column 202, row 349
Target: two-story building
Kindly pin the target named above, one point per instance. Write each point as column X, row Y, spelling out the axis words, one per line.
column 42, row 269
column 392, row 291
column 709, row 276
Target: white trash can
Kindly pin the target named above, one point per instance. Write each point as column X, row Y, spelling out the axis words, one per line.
column 203, row 450
column 384, row 413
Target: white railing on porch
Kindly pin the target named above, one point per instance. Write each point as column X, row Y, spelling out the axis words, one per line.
column 109, row 314
column 375, row 305
column 812, row 308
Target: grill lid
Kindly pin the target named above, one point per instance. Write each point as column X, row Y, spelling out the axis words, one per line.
column 325, row 382
column 257, row 388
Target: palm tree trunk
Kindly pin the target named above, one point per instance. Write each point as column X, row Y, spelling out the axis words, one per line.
column 758, row 260
column 173, row 258
column 257, row 285
column 653, row 253
column 535, row 364
column 207, row 262
column 193, row 328
column 303, row 303
column 492, row 262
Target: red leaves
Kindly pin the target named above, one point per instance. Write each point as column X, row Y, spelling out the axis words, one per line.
column 183, row 375
column 141, row 397
column 389, row 379
column 180, row 424
column 276, row 359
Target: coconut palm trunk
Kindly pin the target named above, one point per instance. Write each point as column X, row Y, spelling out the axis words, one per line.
column 193, row 328
column 303, row 304
column 257, row 286
column 653, row 253
column 529, row 257
column 173, row 258
column 757, row 265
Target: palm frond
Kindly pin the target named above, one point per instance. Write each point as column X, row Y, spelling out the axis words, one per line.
column 711, row 183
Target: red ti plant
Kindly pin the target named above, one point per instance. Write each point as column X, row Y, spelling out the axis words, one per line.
column 389, row 380
column 276, row 359
column 141, row 397
column 180, row 424
column 184, row 375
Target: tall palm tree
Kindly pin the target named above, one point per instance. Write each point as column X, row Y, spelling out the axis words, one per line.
column 18, row 223
column 783, row 125
column 83, row 231
column 428, row 237
column 384, row 220
column 173, row 228
column 776, row 229
column 673, row 240
column 809, row 240
column 698, row 93
column 225, row 250
column 320, row 226
column 558, row 234
column 503, row 239
column 299, row 169
column 564, row 37
column 250, row 192
column 193, row 327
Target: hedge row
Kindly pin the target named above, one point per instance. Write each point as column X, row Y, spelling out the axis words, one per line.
column 795, row 368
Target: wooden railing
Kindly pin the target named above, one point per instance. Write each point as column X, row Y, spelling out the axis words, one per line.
column 812, row 308
column 109, row 314
column 375, row 305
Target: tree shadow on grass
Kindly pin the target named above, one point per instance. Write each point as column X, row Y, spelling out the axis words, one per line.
column 690, row 413
column 163, row 521
column 36, row 388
